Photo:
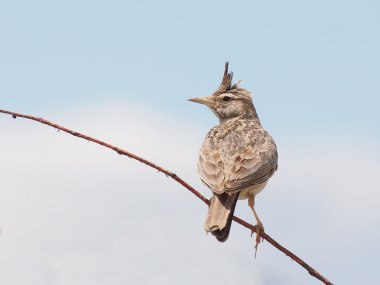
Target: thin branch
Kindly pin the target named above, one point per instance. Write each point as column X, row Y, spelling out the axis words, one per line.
column 174, row 176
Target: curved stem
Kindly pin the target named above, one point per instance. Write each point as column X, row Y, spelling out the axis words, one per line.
column 174, row 176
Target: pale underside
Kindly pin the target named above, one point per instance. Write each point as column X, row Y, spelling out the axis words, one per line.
column 253, row 190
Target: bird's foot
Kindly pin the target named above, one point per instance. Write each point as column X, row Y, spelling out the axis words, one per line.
column 258, row 228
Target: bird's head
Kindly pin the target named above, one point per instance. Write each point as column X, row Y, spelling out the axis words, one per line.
column 229, row 101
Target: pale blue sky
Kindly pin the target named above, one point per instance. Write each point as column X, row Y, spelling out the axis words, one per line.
column 122, row 71
column 312, row 65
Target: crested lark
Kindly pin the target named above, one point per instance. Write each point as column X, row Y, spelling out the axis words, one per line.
column 237, row 157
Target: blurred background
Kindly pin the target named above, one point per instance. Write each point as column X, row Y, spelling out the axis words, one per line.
column 74, row 213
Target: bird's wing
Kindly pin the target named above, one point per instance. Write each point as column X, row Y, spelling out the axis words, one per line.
column 211, row 169
column 255, row 164
column 238, row 161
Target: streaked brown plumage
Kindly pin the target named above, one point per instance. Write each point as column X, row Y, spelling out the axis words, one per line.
column 237, row 157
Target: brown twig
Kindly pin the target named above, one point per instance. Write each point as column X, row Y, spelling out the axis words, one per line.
column 174, row 176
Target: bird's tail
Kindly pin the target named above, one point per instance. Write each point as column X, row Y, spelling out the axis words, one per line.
column 220, row 213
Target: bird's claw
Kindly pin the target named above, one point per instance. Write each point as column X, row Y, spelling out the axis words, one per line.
column 258, row 228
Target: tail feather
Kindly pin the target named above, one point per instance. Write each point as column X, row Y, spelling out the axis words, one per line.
column 220, row 213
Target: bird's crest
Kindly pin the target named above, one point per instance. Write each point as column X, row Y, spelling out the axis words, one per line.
column 226, row 84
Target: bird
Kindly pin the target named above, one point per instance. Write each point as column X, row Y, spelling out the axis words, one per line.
column 237, row 158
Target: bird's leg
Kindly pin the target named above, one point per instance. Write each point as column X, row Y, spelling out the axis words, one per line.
column 259, row 224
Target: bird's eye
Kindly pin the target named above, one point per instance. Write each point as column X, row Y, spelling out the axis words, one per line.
column 226, row 98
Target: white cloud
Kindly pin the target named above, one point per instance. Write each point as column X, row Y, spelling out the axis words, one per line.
column 74, row 213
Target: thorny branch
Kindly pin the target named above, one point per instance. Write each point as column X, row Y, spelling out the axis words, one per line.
column 174, row 176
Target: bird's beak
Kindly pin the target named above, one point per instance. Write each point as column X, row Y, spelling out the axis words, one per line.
column 208, row 101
